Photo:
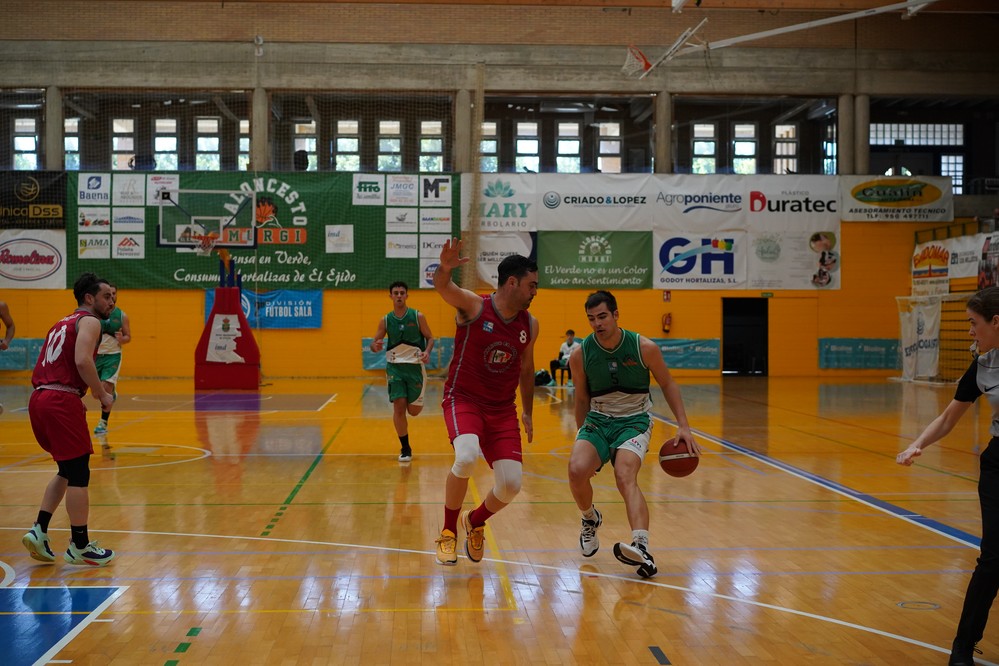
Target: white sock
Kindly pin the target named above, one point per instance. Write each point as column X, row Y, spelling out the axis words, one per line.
column 640, row 537
column 590, row 514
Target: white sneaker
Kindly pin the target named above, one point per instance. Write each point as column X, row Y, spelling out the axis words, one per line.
column 636, row 555
column 37, row 543
column 588, row 541
column 102, row 428
column 92, row 556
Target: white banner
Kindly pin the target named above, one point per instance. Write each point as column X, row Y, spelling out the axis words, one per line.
column 965, row 254
column 493, row 248
column 684, row 261
column 594, row 202
column 32, row 259
column 919, row 321
column 888, row 199
column 507, row 202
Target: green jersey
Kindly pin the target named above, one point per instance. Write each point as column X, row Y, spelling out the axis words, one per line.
column 110, row 326
column 405, row 341
column 618, row 379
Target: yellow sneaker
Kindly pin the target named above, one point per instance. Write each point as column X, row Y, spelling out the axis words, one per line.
column 475, row 537
column 446, row 546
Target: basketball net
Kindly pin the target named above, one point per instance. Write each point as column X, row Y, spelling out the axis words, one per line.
column 635, row 63
column 205, row 245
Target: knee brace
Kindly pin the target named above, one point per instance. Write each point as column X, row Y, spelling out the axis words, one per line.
column 507, row 475
column 75, row 471
column 466, row 452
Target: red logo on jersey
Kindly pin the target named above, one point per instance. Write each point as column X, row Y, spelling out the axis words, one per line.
column 498, row 356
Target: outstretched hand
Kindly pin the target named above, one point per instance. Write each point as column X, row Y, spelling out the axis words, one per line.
column 451, row 254
column 908, row 456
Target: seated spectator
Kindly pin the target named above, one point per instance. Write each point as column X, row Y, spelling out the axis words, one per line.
column 562, row 362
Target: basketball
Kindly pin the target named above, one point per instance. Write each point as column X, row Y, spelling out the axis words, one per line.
column 677, row 460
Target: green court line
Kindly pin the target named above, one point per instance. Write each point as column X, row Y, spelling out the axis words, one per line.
column 182, row 647
column 172, row 662
column 194, row 631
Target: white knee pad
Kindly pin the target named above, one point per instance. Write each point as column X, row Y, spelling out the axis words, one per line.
column 507, row 475
column 466, row 453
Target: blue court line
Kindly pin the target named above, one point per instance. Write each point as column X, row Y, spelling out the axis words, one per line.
column 909, row 516
column 660, row 656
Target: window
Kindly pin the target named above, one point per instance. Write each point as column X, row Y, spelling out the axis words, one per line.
column 609, row 147
column 389, row 145
column 165, row 145
column 705, row 148
column 489, row 148
column 122, row 143
column 528, row 148
column 207, row 143
column 305, row 139
column 785, row 149
column 953, row 166
column 432, row 145
column 568, row 148
column 25, row 144
column 917, row 134
column 829, row 150
column 243, row 157
column 71, row 143
column 744, row 148
column 348, row 145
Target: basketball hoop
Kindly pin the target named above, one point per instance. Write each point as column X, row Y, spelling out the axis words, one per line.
column 635, row 63
column 204, row 245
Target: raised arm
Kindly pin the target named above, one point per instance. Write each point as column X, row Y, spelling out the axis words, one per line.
column 8, row 323
column 379, row 340
column 467, row 303
column 527, row 382
column 653, row 359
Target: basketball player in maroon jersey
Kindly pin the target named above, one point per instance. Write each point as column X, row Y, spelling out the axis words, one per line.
column 63, row 372
column 493, row 355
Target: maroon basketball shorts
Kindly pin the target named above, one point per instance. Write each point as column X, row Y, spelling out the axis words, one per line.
column 497, row 427
column 59, row 421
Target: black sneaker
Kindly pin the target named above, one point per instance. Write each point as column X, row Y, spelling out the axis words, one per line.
column 636, row 555
column 406, row 455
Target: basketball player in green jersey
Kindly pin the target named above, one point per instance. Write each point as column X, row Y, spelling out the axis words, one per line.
column 613, row 413
column 409, row 344
column 115, row 332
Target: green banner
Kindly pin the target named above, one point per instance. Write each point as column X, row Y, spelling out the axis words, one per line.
column 311, row 230
column 859, row 353
column 595, row 260
column 703, row 354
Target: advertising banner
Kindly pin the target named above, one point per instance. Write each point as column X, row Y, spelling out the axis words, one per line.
column 311, row 230
column 965, row 254
column 495, row 247
column 588, row 202
column 507, row 202
column 697, row 204
column 281, row 308
column 690, row 354
column 32, row 200
column 684, row 261
column 890, row 199
column 919, row 323
column 589, row 260
column 33, row 259
column 930, row 269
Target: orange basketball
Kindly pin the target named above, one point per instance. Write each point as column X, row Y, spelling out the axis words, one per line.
column 677, row 460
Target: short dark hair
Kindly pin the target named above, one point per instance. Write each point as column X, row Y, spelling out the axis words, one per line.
column 88, row 283
column 601, row 296
column 570, row 332
column 515, row 266
column 985, row 303
column 398, row 283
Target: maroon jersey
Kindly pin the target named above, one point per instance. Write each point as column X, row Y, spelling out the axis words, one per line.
column 57, row 362
column 487, row 355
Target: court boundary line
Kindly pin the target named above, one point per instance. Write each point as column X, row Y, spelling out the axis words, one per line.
column 84, row 623
column 531, row 565
column 917, row 519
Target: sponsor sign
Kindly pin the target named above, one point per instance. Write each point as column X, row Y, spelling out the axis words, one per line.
column 435, row 220
column 402, row 190
column 281, row 308
column 94, row 189
column 93, row 220
column 694, row 261
column 402, row 220
column 507, row 202
column 128, row 246
column 128, row 219
column 427, row 268
column 690, row 354
column 368, row 190
column 94, row 247
column 157, row 183
column 32, row 259
column 887, row 199
column 588, row 203
column 32, row 200
column 431, row 244
column 930, row 269
column 401, row 246
column 866, row 353
column 435, row 190
column 698, row 204
column 339, row 238
column 592, row 260
column 128, row 189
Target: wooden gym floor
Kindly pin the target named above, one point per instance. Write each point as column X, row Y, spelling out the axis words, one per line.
column 279, row 529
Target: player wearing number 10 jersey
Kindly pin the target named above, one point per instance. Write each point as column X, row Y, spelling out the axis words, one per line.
column 64, row 371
